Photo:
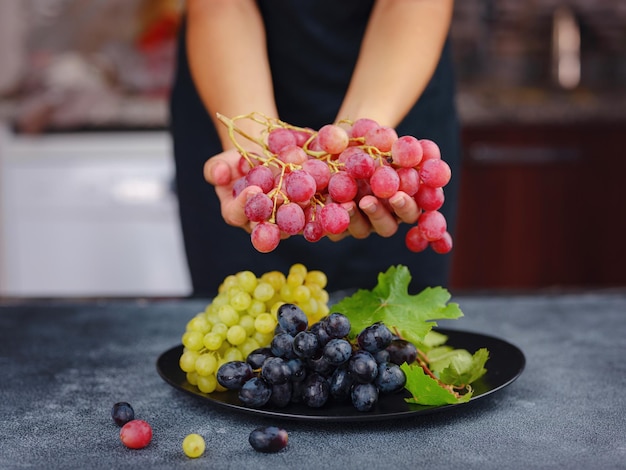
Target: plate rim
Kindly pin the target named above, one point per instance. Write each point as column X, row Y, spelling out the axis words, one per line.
column 284, row 413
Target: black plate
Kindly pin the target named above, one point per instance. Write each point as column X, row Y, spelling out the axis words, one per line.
column 506, row 363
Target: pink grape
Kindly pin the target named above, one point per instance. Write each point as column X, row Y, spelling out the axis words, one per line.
column 409, row 180
column 299, row 186
column 381, row 137
column 265, row 237
column 364, row 189
column 292, row 154
column 406, row 151
column 334, row 218
column 415, row 241
column 429, row 198
column 290, row 218
column 244, row 165
column 361, row 126
column 279, row 138
column 262, row 177
column 259, row 207
column 314, row 145
column 432, row 225
column 302, row 136
column 385, row 182
column 342, row 187
column 358, row 163
column 313, row 231
column 443, row 245
column 136, row 434
column 435, row 173
column 430, row 150
column 319, row 171
column 333, row 139
column 239, row 185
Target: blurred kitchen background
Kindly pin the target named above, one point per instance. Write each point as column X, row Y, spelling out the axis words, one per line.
column 86, row 201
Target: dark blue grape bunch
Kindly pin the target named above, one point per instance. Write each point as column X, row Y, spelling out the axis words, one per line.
column 318, row 363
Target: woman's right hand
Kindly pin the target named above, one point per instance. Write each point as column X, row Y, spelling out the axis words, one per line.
column 222, row 170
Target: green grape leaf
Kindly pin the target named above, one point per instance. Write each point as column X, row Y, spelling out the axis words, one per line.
column 412, row 316
column 464, row 368
column 426, row 390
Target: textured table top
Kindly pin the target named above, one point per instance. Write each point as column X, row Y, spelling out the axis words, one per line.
column 64, row 363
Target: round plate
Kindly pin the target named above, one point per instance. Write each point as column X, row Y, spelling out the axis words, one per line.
column 506, row 362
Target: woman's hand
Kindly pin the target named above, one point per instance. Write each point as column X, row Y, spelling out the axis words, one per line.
column 222, row 171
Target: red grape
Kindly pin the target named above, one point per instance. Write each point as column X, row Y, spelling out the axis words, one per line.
column 334, row 218
column 332, row 138
column 136, row 434
column 290, row 218
column 443, row 245
column 342, row 187
column 435, row 173
column 385, row 182
column 432, row 225
column 279, row 138
column 406, row 151
column 265, row 237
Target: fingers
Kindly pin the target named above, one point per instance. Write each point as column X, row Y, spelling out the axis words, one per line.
column 233, row 208
column 405, row 207
column 384, row 220
column 360, row 226
column 222, row 168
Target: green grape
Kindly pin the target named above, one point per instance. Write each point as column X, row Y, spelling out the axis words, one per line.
column 241, row 301
column 265, row 323
column 286, row 293
column 206, row 364
column 299, row 269
column 236, row 335
column 193, row 446
column 213, row 341
column 187, row 361
column 264, row 291
column 228, row 315
column 301, row 294
column 207, row 383
column 199, row 323
column 295, row 279
column 233, row 354
column 275, row 306
column 229, row 281
column 249, row 345
column 192, row 378
column 192, row 340
column 264, row 339
column 220, row 329
column 223, row 348
column 322, row 297
column 275, row 278
column 316, row 277
column 256, row 308
column 247, row 280
column 221, row 299
column 247, row 323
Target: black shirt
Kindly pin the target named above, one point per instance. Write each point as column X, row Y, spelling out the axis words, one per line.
column 313, row 46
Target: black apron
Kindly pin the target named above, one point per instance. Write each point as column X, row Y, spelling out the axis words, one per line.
column 313, row 46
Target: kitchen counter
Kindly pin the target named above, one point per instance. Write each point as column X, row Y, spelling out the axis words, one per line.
column 63, row 364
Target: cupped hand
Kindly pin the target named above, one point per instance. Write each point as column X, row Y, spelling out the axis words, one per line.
column 222, row 171
column 371, row 215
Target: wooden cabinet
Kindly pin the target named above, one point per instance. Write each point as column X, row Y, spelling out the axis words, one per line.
column 542, row 206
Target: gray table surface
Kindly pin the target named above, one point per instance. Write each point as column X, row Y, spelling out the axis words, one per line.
column 63, row 364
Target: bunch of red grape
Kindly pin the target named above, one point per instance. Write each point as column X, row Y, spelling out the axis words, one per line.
column 306, row 176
